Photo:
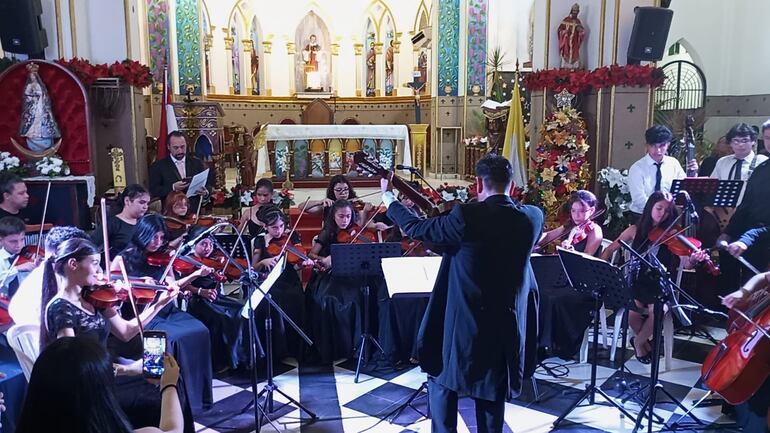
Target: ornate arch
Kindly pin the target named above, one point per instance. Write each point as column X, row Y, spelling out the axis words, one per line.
column 377, row 11
column 313, row 66
column 422, row 11
column 236, row 29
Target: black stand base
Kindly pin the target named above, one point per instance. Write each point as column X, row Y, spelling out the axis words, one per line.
column 395, row 413
column 365, row 336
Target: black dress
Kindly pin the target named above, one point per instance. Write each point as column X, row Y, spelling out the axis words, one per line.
column 188, row 340
column 334, row 310
column 228, row 330
column 140, row 400
column 645, row 287
column 287, row 292
column 120, row 233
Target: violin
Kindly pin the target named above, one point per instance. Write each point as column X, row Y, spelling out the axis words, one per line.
column 111, row 294
column 186, row 265
column 29, row 254
column 5, row 317
column 681, row 245
column 578, row 234
column 295, row 254
column 413, row 248
column 353, row 234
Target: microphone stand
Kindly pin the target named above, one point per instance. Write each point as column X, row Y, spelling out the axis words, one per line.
column 249, row 283
column 416, row 172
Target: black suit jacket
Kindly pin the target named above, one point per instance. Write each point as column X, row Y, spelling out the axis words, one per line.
column 472, row 337
column 163, row 174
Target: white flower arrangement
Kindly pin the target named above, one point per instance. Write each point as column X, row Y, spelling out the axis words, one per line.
column 52, row 166
column 618, row 197
column 9, row 162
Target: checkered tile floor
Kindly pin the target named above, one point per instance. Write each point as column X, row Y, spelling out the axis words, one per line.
column 344, row 406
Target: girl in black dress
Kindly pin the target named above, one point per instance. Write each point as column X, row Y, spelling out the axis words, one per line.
column 659, row 212
column 67, row 312
column 187, row 337
column 581, row 207
column 334, row 302
column 177, row 212
column 221, row 314
column 130, row 206
column 287, row 291
column 340, row 188
column 262, row 196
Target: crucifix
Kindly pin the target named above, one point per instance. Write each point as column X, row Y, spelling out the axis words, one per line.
column 416, row 85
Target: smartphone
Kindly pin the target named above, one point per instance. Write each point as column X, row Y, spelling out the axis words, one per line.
column 154, row 348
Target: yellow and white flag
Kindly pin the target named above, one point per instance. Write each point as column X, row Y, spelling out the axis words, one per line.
column 515, row 139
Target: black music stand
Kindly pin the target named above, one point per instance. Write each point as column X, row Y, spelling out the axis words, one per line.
column 605, row 283
column 362, row 261
column 705, row 191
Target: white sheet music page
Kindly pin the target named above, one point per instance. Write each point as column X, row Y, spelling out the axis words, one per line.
column 410, row 276
column 257, row 296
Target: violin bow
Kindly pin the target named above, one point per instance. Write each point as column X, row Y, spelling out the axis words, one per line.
column 42, row 221
column 105, row 236
column 124, row 273
column 599, row 213
column 364, row 226
column 7, row 273
column 294, row 227
column 198, row 213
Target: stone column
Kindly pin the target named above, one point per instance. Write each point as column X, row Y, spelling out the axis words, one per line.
column 291, row 52
column 248, row 44
column 208, row 42
column 335, row 48
column 229, row 54
column 379, row 70
column 267, row 61
column 359, row 49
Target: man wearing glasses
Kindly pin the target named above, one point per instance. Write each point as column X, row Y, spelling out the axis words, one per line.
column 745, row 232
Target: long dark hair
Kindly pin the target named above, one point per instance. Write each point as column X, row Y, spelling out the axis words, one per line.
column 74, row 248
column 338, row 179
column 135, row 253
column 329, row 230
column 131, row 192
column 70, row 391
column 646, row 224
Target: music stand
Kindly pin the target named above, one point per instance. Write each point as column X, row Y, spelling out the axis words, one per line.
column 605, row 283
column 362, row 261
column 410, row 277
column 706, row 191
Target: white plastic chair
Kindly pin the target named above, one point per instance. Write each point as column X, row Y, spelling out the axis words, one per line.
column 25, row 342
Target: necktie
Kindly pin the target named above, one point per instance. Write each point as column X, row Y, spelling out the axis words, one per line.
column 736, row 170
column 12, row 282
column 180, row 168
column 658, row 176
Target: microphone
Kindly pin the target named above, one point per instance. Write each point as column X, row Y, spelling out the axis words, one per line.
column 406, row 167
column 690, row 207
column 191, row 243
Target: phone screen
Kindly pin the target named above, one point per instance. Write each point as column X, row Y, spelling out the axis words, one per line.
column 154, row 347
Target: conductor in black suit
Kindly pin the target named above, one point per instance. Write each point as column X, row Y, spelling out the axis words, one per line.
column 173, row 173
column 471, row 340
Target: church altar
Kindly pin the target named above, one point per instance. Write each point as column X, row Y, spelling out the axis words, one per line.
column 315, row 152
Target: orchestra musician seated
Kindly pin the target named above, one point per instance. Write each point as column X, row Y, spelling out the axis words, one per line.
column 14, row 268
column 262, row 196
column 13, row 196
column 129, row 207
column 176, row 210
column 649, row 237
column 579, row 233
column 340, row 188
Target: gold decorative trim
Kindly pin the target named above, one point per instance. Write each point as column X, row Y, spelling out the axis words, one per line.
column 59, row 37
column 547, row 33
column 291, row 48
column 650, row 107
column 378, row 48
column 598, row 128
column 615, row 32
column 358, row 49
column 601, row 33
column 267, row 47
column 73, row 28
column 341, row 100
column 229, row 43
column 612, row 125
column 335, row 49
column 248, row 45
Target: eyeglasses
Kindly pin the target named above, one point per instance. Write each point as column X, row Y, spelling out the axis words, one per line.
column 341, row 190
column 746, row 140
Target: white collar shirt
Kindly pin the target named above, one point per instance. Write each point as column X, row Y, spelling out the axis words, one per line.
column 641, row 179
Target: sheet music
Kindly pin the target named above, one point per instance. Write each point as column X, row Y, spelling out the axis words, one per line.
column 198, row 181
column 410, row 276
column 258, row 296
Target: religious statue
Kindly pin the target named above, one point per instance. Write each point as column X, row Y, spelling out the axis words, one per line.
column 248, row 158
column 38, row 124
column 312, row 69
column 254, row 72
column 422, row 66
column 389, row 57
column 571, row 34
column 371, row 65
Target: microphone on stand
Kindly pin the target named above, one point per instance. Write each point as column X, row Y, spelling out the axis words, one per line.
column 406, row 167
column 690, row 207
column 187, row 246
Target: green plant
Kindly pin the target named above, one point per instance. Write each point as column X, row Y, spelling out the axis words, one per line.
column 495, row 62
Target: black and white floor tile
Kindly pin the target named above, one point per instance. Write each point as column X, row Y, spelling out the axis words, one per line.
column 342, row 405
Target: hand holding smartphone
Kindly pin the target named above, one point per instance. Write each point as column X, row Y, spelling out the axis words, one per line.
column 152, row 359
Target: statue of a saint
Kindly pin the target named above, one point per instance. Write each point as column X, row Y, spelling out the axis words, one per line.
column 571, row 34
column 254, row 72
column 310, row 56
column 389, row 57
column 38, row 124
column 422, row 66
column 371, row 65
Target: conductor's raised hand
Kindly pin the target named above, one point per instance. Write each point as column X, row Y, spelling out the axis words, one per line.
column 386, row 183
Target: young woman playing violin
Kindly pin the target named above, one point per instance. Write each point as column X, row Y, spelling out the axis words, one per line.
column 287, row 291
column 67, row 311
column 340, row 188
column 659, row 213
column 131, row 205
column 334, row 302
column 220, row 314
column 188, row 337
column 177, row 212
column 263, row 195
column 579, row 233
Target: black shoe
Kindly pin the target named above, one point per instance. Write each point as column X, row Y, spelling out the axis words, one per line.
column 646, row 359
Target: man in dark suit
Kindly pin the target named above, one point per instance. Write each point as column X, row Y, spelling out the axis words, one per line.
column 471, row 340
column 173, row 173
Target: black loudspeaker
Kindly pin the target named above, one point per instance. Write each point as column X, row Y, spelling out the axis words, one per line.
column 648, row 38
column 21, row 30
